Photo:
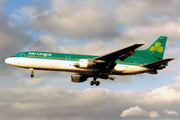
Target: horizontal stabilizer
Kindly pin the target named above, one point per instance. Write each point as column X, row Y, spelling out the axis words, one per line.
column 159, row 64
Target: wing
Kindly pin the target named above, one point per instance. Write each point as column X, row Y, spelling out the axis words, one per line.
column 120, row 54
column 108, row 61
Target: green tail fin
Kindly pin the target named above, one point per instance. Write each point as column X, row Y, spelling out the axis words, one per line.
column 157, row 48
column 154, row 53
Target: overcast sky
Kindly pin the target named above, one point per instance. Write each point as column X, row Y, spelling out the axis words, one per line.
column 94, row 27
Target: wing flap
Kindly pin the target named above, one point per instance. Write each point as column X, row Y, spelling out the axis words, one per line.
column 153, row 72
column 124, row 56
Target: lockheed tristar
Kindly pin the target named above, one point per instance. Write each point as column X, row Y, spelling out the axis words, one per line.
column 126, row 61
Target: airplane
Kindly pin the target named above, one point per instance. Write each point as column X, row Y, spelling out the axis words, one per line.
column 126, row 61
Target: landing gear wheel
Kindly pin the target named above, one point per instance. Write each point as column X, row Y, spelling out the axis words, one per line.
column 97, row 83
column 92, row 83
column 32, row 75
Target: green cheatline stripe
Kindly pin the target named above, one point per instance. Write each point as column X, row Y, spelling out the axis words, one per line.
column 73, row 59
column 56, row 58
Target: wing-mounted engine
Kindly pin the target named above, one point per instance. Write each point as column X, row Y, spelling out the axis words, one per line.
column 86, row 63
column 78, row 78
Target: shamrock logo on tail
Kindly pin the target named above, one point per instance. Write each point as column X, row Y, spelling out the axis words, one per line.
column 157, row 47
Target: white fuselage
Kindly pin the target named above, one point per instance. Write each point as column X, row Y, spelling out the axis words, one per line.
column 68, row 66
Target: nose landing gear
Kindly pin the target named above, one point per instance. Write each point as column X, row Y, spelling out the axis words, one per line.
column 32, row 72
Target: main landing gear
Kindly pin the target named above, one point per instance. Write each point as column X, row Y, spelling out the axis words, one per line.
column 32, row 72
column 97, row 83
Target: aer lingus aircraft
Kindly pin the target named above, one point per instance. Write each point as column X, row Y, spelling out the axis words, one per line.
column 127, row 61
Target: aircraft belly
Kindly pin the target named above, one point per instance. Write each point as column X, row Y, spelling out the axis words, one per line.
column 127, row 69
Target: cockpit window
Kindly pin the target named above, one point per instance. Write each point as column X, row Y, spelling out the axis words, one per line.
column 13, row 56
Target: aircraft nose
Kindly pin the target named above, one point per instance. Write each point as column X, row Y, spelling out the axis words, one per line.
column 9, row 61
